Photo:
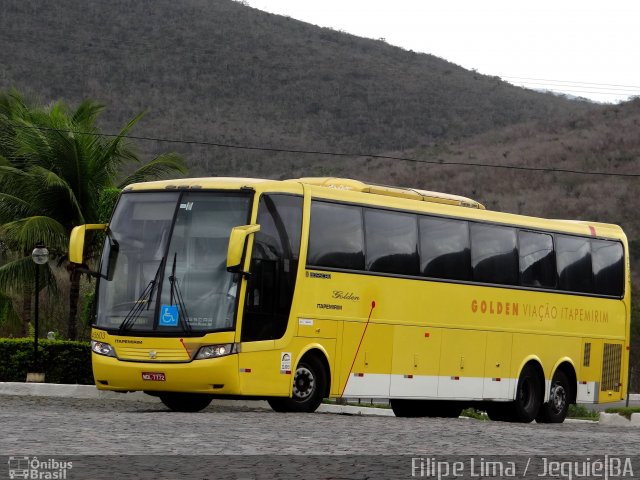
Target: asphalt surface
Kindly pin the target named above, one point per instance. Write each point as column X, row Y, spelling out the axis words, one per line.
column 137, row 437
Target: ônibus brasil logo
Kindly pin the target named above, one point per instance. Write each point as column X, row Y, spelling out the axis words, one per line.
column 33, row 468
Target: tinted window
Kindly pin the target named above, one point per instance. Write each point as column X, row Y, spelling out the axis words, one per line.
column 573, row 255
column 274, row 264
column 608, row 267
column 494, row 257
column 392, row 242
column 336, row 239
column 444, row 248
column 537, row 261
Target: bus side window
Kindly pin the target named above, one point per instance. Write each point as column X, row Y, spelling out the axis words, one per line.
column 573, row 255
column 608, row 267
column 274, row 265
column 537, row 260
column 494, row 254
column 444, row 248
column 391, row 242
column 336, row 238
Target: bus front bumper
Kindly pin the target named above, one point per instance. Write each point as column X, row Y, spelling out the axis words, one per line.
column 214, row 375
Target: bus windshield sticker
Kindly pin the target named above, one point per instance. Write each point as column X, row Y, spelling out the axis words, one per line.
column 305, row 321
column 169, row 316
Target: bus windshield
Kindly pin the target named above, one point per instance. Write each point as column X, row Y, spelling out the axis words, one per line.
column 168, row 271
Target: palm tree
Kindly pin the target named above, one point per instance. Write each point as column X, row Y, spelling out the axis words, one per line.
column 53, row 167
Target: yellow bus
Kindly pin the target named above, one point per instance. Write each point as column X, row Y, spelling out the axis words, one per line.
column 298, row 290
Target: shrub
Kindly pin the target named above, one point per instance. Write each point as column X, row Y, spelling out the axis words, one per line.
column 624, row 411
column 61, row 361
column 582, row 412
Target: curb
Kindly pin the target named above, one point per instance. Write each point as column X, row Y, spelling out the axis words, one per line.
column 615, row 420
column 91, row 392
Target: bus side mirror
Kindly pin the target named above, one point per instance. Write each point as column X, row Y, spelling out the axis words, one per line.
column 237, row 241
column 76, row 242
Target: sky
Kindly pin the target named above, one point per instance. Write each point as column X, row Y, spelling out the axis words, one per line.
column 584, row 48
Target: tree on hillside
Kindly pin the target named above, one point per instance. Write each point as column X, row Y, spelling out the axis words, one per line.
column 54, row 164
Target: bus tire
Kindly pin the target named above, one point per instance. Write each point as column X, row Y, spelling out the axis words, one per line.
column 185, row 402
column 555, row 410
column 528, row 395
column 309, row 385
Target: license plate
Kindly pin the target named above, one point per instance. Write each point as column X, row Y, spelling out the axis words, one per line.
column 153, row 376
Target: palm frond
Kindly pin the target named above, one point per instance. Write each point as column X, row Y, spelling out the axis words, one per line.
column 13, row 208
column 8, row 314
column 87, row 112
column 26, row 233
column 114, row 152
column 170, row 164
column 20, row 274
column 55, row 194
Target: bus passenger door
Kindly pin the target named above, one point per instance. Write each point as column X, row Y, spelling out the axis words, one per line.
column 269, row 294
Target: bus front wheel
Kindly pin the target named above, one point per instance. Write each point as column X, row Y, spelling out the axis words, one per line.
column 185, row 402
column 309, row 385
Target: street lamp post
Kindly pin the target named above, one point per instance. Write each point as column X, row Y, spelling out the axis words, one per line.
column 40, row 256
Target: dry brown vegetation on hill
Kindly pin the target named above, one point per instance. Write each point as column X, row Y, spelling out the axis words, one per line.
column 222, row 72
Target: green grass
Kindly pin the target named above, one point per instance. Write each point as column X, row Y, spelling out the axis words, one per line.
column 474, row 413
column 624, row 411
column 582, row 413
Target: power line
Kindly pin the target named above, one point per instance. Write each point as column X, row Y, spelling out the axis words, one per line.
column 566, row 86
column 554, row 89
column 636, row 87
column 337, row 154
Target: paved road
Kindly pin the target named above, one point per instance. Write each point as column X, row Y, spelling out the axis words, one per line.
column 50, row 427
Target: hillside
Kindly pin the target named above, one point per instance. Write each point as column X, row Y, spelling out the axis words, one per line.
column 218, row 71
column 604, row 140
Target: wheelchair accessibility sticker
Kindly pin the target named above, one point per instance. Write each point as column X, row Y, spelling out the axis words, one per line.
column 169, row 316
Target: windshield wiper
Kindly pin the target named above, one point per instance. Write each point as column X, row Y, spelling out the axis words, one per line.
column 143, row 300
column 183, row 317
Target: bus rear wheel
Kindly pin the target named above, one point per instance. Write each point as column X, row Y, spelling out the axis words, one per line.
column 309, row 386
column 185, row 402
column 555, row 410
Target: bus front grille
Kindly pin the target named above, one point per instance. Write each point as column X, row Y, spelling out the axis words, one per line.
column 153, row 354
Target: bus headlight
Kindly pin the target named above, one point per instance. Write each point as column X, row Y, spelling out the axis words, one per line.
column 215, row 351
column 102, row 348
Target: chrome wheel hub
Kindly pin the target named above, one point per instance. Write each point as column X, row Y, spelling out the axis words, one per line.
column 303, row 383
column 558, row 398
